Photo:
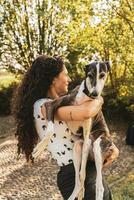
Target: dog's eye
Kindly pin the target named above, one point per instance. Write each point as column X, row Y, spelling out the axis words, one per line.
column 90, row 75
column 102, row 75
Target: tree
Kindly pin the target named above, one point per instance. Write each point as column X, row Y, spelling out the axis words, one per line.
column 34, row 27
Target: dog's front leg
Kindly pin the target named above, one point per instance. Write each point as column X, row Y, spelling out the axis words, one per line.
column 85, row 153
column 77, row 156
column 99, row 165
column 42, row 145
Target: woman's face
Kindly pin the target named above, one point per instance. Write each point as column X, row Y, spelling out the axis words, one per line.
column 60, row 83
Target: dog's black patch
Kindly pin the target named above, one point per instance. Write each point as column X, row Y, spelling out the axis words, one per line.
column 102, row 67
column 79, row 131
column 91, row 72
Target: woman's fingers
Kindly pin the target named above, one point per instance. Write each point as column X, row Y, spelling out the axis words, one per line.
column 113, row 155
column 94, row 106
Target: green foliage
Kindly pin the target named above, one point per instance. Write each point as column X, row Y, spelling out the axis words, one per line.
column 121, row 99
column 37, row 27
column 76, row 29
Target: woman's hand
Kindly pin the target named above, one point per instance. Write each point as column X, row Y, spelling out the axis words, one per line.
column 93, row 106
column 113, row 155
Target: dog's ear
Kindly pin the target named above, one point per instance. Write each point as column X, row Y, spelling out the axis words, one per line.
column 108, row 65
column 86, row 69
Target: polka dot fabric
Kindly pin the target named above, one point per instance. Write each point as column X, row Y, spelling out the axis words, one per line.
column 62, row 142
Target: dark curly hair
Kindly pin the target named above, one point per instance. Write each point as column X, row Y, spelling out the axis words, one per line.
column 34, row 86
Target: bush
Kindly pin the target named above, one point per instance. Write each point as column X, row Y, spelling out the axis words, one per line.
column 5, row 98
column 117, row 103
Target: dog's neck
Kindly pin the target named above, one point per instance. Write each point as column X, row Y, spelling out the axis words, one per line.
column 85, row 90
column 82, row 95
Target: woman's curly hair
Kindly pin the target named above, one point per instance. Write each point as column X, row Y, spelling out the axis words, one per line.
column 34, row 86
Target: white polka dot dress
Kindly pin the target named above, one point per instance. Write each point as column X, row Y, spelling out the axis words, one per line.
column 62, row 142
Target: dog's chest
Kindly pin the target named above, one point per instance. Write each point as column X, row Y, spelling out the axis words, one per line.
column 75, row 127
column 81, row 97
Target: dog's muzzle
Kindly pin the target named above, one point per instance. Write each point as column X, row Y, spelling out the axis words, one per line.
column 94, row 94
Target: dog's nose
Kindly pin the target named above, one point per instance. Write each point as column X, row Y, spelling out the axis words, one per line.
column 94, row 93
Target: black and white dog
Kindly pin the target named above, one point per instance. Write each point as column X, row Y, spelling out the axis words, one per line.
column 96, row 142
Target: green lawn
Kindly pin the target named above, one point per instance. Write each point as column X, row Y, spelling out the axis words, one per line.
column 123, row 189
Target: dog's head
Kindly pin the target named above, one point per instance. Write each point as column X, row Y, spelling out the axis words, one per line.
column 96, row 73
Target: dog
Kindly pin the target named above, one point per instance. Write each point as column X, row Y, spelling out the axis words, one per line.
column 96, row 142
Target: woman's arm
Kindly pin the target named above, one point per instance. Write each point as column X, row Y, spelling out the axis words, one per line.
column 78, row 112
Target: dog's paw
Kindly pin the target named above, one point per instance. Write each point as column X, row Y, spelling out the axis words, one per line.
column 39, row 148
column 36, row 152
column 99, row 191
column 75, row 192
column 81, row 194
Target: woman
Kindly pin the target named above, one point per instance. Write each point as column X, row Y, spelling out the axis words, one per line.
column 48, row 79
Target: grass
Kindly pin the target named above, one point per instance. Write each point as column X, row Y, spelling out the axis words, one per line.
column 123, row 189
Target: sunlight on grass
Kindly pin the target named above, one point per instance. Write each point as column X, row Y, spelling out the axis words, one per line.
column 123, row 190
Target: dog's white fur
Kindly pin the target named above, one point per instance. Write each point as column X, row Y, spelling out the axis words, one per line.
column 99, row 165
column 42, row 145
column 83, row 148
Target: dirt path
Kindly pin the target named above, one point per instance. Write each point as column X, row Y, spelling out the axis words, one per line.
column 17, row 180
column 20, row 182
